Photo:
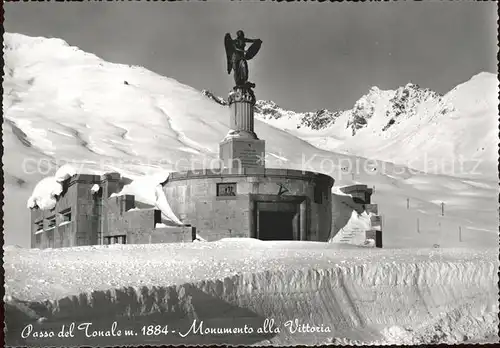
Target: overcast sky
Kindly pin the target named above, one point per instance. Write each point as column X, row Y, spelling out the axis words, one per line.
column 313, row 55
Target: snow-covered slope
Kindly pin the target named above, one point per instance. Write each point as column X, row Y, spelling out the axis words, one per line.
column 62, row 105
column 405, row 297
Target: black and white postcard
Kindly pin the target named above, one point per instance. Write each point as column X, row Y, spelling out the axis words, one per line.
column 250, row 173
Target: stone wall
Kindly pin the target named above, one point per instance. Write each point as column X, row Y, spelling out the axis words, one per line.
column 115, row 211
column 193, row 198
column 95, row 217
column 164, row 235
column 85, row 210
column 75, row 199
column 213, row 217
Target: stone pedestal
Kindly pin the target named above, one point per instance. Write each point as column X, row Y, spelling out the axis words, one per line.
column 242, row 152
column 361, row 192
column 241, row 148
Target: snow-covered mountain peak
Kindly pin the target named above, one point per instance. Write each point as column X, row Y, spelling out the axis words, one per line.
column 480, row 89
column 383, row 114
column 407, row 124
column 24, row 48
column 484, row 75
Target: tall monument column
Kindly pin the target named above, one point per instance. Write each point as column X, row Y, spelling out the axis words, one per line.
column 241, row 148
column 241, row 103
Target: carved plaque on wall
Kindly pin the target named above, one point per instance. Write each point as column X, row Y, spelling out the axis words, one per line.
column 226, row 189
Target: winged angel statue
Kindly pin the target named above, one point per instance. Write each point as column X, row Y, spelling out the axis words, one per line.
column 237, row 56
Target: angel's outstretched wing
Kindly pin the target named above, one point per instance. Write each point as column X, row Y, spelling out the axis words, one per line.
column 228, row 44
column 253, row 49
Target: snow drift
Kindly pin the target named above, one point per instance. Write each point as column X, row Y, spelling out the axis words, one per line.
column 45, row 194
column 149, row 190
column 406, row 297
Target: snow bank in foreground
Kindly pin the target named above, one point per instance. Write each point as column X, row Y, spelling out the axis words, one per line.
column 366, row 296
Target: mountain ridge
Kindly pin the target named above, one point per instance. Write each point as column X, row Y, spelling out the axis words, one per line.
column 380, row 115
column 405, row 99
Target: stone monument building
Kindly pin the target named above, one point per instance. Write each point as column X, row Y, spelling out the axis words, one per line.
column 246, row 199
column 243, row 198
